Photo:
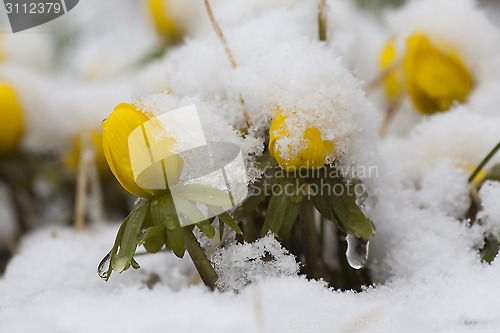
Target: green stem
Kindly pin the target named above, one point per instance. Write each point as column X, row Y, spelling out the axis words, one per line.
column 309, row 239
column 200, row 260
column 483, row 162
column 322, row 20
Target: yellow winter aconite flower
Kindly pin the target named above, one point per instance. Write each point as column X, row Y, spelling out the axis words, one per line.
column 312, row 156
column 480, row 176
column 166, row 25
column 138, row 153
column 434, row 75
column 12, row 124
column 72, row 159
column 394, row 78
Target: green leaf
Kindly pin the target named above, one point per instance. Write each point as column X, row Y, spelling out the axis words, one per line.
column 230, row 222
column 493, row 173
column 112, row 253
column 258, row 194
column 283, row 207
column 153, row 238
column 205, row 194
column 339, row 205
column 188, row 212
column 247, row 206
column 221, row 229
column 175, row 241
column 163, row 212
column 207, row 228
column 130, row 239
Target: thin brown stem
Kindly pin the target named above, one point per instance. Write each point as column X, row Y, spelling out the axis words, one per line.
column 322, row 22
column 200, row 260
column 82, row 182
column 389, row 114
column 219, row 33
column 227, row 49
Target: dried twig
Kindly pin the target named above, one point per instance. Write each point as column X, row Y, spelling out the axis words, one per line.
column 390, row 113
column 82, row 182
column 220, row 35
column 322, row 22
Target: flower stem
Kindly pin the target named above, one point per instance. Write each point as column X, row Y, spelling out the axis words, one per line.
column 483, row 162
column 322, row 20
column 200, row 260
column 227, row 49
column 309, row 239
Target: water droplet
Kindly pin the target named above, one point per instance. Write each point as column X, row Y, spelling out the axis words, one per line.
column 154, row 203
column 103, row 267
column 120, row 263
column 357, row 251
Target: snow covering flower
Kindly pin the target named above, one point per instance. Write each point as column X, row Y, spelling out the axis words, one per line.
column 165, row 23
column 434, row 75
column 117, row 148
column 12, row 124
column 314, row 151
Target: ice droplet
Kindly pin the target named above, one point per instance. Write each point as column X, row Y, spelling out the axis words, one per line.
column 103, row 267
column 120, row 263
column 357, row 251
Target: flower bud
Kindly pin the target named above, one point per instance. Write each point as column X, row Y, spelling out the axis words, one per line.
column 12, row 124
column 138, row 153
column 166, row 25
column 313, row 154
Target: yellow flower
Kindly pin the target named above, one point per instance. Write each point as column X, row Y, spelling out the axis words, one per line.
column 72, row 159
column 480, row 176
column 433, row 75
column 312, row 156
column 12, row 124
column 393, row 80
column 166, row 25
column 140, row 157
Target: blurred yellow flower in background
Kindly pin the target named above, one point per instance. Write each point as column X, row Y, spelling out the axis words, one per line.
column 434, row 75
column 72, row 159
column 166, row 25
column 313, row 155
column 395, row 76
column 12, row 124
column 127, row 154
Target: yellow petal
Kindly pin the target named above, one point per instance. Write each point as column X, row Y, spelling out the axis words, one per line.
column 12, row 124
column 312, row 156
column 117, row 128
column 138, row 153
column 436, row 77
column 165, row 23
column 393, row 80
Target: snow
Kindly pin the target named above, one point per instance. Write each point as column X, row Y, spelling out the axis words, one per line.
column 64, row 294
column 238, row 265
column 490, row 214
